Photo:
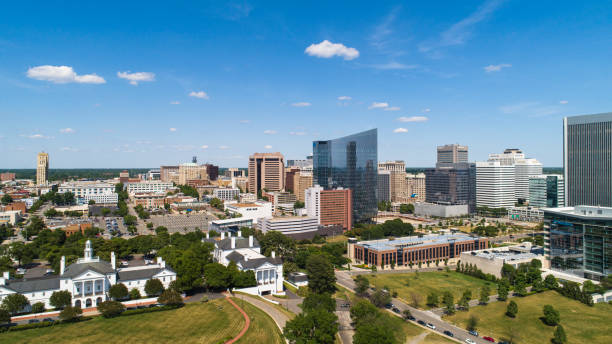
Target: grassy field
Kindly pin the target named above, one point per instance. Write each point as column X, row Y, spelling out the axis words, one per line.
column 212, row 322
column 406, row 284
column 582, row 324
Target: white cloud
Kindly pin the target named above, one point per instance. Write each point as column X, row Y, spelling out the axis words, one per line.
column 393, row 108
column 224, row 147
column 413, row 119
column 244, row 121
column 496, row 68
column 393, row 66
column 199, row 94
column 62, row 75
column 67, row 131
column 37, row 136
column 400, row 130
column 268, row 147
column 297, row 133
column 135, row 78
column 269, row 132
column 563, row 102
column 301, row 104
column 377, row 105
column 344, row 98
column 204, row 146
column 175, row 102
column 426, row 110
column 68, row 149
column 327, row 49
column 172, row 129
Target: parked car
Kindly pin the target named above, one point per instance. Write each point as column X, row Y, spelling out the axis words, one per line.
column 449, row 333
column 48, row 319
column 421, row 322
column 410, row 317
column 32, row 321
column 431, row 326
column 473, row 333
column 469, row 341
column 20, row 271
column 488, row 339
column 396, row 310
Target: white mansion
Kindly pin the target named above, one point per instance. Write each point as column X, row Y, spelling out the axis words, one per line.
column 246, row 253
column 88, row 280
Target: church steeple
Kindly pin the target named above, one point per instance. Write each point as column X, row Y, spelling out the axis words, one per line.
column 88, row 256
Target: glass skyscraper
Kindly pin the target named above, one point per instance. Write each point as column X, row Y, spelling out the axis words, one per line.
column 452, row 185
column 587, row 159
column 350, row 162
column 578, row 240
column 546, row 191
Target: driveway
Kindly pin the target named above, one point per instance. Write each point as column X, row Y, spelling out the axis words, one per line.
column 279, row 317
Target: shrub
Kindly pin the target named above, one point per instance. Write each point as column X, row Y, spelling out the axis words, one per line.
column 118, row 291
column 170, row 297
column 70, row 313
column 111, row 309
column 154, row 287
column 512, row 309
column 135, row 294
column 551, row 316
column 60, row 299
column 38, row 307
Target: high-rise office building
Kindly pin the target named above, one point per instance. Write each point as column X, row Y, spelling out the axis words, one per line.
column 546, row 191
column 234, row 172
column 523, row 169
column 330, row 207
column 301, row 181
column 451, row 154
column 212, row 171
column 416, row 187
column 191, row 171
column 494, row 185
column 266, row 171
column 452, row 185
column 509, row 157
column 577, row 240
column 350, row 162
column 168, row 173
column 397, row 180
column 587, row 159
column 290, row 173
column 42, row 168
column 383, row 186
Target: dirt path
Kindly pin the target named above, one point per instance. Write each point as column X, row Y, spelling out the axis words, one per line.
column 246, row 319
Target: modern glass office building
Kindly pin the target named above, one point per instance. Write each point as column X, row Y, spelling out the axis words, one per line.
column 350, row 162
column 452, row 185
column 587, row 159
column 546, row 191
column 578, row 240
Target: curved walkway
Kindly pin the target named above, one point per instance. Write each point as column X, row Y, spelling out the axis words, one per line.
column 279, row 317
column 246, row 319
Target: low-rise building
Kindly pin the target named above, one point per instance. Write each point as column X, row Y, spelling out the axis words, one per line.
column 150, row 200
column 407, row 251
column 11, row 217
column 491, row 260
column 289, row 225
column 229, row 224
column 76, row 228
column 254, row 211
column 150, row 186
column 101, row 193
column 440, row 210
column 19, row 206
column 88, row 280
column 7, row 176
column 246, row 253
column 226, row 194
column 528, row 214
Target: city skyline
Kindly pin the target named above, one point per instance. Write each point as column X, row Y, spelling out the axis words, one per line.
column 281, row 77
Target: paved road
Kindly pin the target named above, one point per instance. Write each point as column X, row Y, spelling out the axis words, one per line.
column 345, row 329
column 346, row 281
column 291, row 303
column 279, row 317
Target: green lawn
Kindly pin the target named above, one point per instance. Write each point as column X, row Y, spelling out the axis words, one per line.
column 407, row 284
column 212, row 322
column 582, row 324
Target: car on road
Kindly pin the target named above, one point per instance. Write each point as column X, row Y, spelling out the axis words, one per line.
column 449, row 333
column 410, row 317
column 421, row 322
column 488, row 339
column 431, row 326
column 48, row 319
column 396, row 310
column 473, row 333
column 469, row 341
column 32, row 321
column 20, row 271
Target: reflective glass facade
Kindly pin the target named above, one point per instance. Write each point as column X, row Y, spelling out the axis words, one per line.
column 455, row 185
column 579, row 240
column 350, row 162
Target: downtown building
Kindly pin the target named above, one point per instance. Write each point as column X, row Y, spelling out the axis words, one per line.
column 351, row 163
column 330, row 207
column 42, row 168
column 587, row 160
column 100, row 193
column 547, row 191
column 266, row 171
column 398, row 183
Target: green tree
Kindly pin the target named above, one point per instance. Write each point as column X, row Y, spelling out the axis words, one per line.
column 60, row 299
column 6, row 199
column 550, row 282
column 217, row 276
column 520, row 289
column 484, row 295
column 5, row 316
column 449, row 302
column 406, row 208
column 110, row 309
column 380, row 298
column 317, row 326
column 14, row 303
column 559, row 336
column 318, row 301
column 472, row 323
column 38, row 307
column 153, row 287
column 321, row 277
column 406, row 314
column 502, row 291
column 135, row 294
column 512, row 309
column 376, row 332
column 118, row 291
column 551, row 315
column 362, row 284
column 170, row 297
column 432, row 299
column 363, row 312
column 70, row 313
column 298, row 205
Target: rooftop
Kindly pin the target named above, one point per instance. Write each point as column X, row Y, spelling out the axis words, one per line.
column 414, row 241
column 507, row 256
column 583, row 211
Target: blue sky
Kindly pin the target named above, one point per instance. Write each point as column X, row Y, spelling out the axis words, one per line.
column 152, row 83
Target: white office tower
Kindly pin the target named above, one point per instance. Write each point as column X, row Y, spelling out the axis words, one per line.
column 509, row 157
column 523, row 169
column 312, row 202
column 495, row 184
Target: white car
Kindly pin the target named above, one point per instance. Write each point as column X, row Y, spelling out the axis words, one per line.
column 431, row 326
column 469, row 341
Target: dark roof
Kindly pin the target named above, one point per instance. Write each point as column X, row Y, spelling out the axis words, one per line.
column 257, row 262
column 130, row 275
column 235, row 257
column 298, row 277
column 74, row 270
column 226, row 244
column 34, row 284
